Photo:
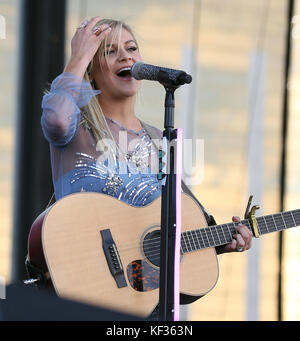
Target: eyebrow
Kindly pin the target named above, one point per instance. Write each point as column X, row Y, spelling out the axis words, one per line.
column 126, row 42
column 129, row 41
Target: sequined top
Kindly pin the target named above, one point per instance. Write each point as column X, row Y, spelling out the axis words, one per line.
column 79, row 163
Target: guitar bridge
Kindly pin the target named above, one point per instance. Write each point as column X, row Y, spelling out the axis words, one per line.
column 113, row 258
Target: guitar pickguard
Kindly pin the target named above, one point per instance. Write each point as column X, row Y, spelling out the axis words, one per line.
column 142, row 276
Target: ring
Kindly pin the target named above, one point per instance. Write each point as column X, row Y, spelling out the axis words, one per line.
column 83, row 24
column 95, row 30
column 100, row 28
column 239, row 249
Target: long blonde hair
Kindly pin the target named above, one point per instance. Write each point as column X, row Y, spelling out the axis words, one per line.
column 92, row 113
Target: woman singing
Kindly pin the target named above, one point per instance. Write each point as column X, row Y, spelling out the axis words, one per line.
column 97, row 143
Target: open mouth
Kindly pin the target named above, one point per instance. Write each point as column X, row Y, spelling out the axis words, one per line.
column 124, row 73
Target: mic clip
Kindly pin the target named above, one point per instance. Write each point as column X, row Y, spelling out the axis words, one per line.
column 180, row 79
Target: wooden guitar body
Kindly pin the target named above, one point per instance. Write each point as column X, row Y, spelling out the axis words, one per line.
column 95, row 249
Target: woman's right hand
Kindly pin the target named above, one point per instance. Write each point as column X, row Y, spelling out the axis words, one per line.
column 84, row 45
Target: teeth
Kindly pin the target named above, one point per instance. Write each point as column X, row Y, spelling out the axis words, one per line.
column 124, row 69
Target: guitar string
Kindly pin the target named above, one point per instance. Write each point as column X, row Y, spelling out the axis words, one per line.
column 206, row 240
column 156, row 240
column 202, row 240
column 154, row 244
column 152, row 247
column 296, row 214
column 268, row 226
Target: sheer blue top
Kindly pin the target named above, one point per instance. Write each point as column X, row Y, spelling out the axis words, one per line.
column 79, row 163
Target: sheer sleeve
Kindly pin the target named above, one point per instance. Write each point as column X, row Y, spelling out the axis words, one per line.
column 61, row 107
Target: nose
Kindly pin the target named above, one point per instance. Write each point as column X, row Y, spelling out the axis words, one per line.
column 124, row 55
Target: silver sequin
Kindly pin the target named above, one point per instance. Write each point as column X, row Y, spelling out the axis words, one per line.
column 112, row 185
column 135, row 161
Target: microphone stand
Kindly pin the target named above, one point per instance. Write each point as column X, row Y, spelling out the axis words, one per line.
column 168, row 203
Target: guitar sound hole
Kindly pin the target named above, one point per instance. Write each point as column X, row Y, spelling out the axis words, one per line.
column 151, row 247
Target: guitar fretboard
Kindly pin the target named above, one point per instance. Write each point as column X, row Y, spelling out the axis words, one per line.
column 217, row 235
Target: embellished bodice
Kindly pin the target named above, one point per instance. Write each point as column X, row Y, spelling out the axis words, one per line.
column 124, row 173
column 135, row 189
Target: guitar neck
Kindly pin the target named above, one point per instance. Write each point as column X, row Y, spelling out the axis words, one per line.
column 217, row 235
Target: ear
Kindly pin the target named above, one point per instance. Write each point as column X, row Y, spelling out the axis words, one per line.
column 91, row 78
column 89, row 71
column 93, row 83
column 93, row 66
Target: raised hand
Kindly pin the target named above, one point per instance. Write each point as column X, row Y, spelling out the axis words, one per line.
column 84, row 45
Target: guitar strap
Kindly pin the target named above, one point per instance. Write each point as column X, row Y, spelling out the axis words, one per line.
column 155, row 137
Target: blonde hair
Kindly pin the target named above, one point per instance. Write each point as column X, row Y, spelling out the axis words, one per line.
column 92, row 113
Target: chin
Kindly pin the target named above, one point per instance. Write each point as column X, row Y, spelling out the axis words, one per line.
column 129, row 91
column 127, row 94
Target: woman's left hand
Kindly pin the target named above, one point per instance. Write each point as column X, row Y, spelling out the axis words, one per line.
column 241, row 240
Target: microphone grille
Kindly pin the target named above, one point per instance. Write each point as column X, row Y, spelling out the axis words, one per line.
column 140, row 70
column 135, row 70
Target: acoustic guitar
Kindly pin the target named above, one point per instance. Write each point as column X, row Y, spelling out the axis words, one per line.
column 99, row 250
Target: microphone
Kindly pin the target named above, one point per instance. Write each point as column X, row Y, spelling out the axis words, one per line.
column 166, row 76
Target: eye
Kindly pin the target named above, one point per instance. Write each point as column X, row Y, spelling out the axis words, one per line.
column 132, row 48
column 109, row 51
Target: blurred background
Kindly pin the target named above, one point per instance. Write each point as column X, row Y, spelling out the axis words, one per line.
column 242, row 104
